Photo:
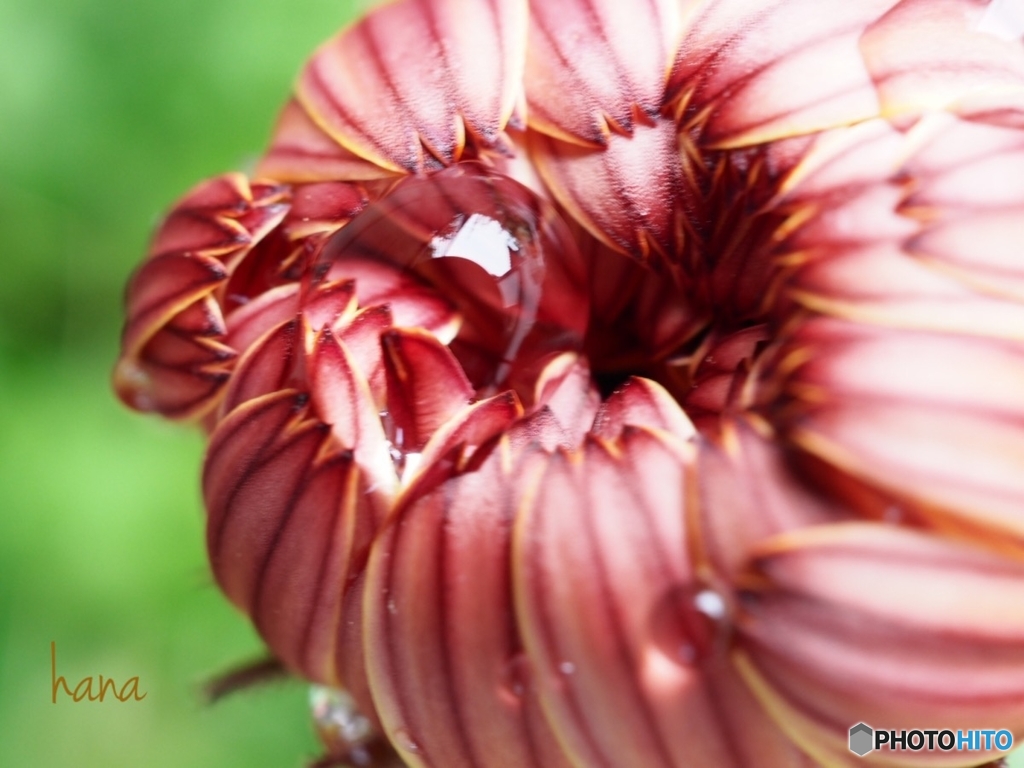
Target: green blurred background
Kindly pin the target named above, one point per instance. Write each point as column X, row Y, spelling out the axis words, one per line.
column 110, row 110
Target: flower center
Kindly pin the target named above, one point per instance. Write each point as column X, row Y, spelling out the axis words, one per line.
column 527, row 286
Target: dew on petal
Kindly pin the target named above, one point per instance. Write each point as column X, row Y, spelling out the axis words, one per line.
column 337, row 718
column 498, row 252
column 404, row 741
column 514, row 675
column 689, row 625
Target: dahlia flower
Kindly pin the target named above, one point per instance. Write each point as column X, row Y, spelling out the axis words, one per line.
column 618, row 385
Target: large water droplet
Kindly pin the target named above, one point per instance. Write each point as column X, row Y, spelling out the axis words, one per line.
column 690, row 624
column 501, row 254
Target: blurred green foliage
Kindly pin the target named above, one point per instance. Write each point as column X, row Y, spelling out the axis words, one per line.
column 108, row 112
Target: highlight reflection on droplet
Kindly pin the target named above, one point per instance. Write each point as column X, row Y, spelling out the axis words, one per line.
column 497, row 251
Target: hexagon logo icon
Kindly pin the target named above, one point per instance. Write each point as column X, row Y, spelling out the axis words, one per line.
column 861, row 739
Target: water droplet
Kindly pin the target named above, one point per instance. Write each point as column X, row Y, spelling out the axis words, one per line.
column 567, row 668
column 404, row 741
column 502, row 255
column 337, row 718
column 690, row 624
column 515, row 676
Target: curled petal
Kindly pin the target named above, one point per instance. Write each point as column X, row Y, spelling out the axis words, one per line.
column 629, row 195
column 171, row 298
column 342, row 398
column 446, row 668
column 473, row 427
column 565, row 387
column 641, row 403
column 182, row 368
column 412, row 303
column 361, row 337
column 426, row 386
column 404, row 87
column 597, row 66
column 866, row 622
column 256, row 467
column 737, row 64
column 269, row 309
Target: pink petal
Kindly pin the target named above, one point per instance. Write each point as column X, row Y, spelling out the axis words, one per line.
column 601, row 579
column 413, row 304
column 748, row 492
column 446, row 669
column 361, row 337
column 594, row 67
column 750, row 73
column 473, row 427
column 629, row 195
column 947, row 62
column 251, row 320
column 404, row 86
column 862, row 622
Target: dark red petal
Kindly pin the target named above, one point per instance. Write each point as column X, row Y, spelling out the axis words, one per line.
column 342, row 398
column 256, row 468
column 269, row 365
column 426, row 386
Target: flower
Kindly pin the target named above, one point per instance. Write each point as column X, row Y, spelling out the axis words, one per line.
column 606, row 384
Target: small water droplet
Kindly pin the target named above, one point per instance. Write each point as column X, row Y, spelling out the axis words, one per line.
column 690, row 624
column 498, row 252
column 515, row 675
column 337, row 718
column 392, row 606
column 567, row 668
column 404, row 741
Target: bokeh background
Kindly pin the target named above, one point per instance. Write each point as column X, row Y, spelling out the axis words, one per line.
column 108, row 112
